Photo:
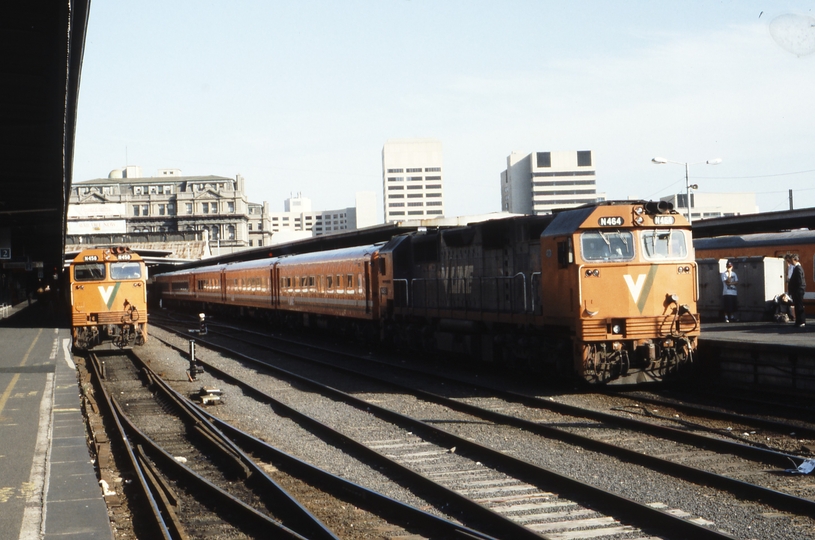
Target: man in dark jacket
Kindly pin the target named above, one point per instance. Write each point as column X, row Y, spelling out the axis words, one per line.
column 797, row 287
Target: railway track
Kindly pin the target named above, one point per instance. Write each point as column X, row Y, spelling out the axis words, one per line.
column 198, row 483
column 746, row 461
column 422, row 445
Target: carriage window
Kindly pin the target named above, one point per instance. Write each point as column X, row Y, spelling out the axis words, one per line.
column 125, row 270
column 89, row 271
column 349, row 281
column 329, row 282
column 607, row 245
column 664, row 244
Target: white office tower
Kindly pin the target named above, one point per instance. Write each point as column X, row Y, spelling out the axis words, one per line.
column 539, row 182
column 412, row 179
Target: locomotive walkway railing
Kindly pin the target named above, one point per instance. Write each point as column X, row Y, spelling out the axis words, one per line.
column 497, row 293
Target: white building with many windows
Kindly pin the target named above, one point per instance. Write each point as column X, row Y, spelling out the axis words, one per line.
column 412, row 179
column 298, row 216
column 539, row 182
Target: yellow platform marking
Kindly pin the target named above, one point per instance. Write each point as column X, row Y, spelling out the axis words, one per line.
column 16, row 377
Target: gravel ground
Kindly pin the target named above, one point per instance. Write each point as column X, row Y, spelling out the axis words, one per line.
column 259, row 420
column 743, row 519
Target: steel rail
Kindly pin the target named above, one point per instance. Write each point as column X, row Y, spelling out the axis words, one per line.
column 773, row 425
column 769, row 456
column 610, row 503
column 145, row 483
column 298, row 518
column 254, row 518
column 361, row 496
column 778, row 499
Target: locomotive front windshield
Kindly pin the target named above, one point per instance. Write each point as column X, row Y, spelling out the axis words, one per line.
column 125, row 270
column 607, row 245
column 664, row 244
column 89, row 271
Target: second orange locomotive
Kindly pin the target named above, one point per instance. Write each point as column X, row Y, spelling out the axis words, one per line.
column 606, row 292
column 108, row 298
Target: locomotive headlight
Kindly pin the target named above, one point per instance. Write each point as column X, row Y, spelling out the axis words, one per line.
column 592, row 273
column 616, row 329
column 638, row 220
column 639, row 210
column 683, row 269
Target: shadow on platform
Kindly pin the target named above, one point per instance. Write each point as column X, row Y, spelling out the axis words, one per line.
column 39, row 314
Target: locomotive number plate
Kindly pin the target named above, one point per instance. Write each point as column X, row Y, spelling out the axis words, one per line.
column 611, row 221
column 125, row 257
column 91, row 258
column 664, row 220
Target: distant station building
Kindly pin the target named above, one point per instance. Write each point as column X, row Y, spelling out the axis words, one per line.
column 193, row 216
column 540, row 182
column 412, row 179
column 713, row 205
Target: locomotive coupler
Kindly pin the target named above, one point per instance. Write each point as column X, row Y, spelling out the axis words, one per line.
column 194, row 369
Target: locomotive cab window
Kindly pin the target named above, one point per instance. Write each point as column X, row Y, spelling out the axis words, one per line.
column 565, row 253
column 664, row 244
column 89, row 271
column 125, row 270
column 607, row 246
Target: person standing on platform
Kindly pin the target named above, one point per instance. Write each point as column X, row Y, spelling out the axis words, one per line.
column 730, row 297
column 797, row 287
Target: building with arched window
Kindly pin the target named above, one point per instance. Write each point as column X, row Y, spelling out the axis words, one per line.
column 150, row 209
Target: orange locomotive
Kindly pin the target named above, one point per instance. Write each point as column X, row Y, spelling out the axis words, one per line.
column 108, row 298
column 606, row 292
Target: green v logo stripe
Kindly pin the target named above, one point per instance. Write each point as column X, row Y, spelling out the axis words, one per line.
column 109, row 293
column 642, row 287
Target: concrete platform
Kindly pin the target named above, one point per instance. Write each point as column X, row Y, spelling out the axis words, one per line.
column 760, row 356
column 48, row 485
column 761, row 332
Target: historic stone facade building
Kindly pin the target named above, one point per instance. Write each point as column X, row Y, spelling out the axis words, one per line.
column 168, row 205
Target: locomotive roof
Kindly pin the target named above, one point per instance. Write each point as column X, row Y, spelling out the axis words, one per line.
column 568, row 221
column 755, row 240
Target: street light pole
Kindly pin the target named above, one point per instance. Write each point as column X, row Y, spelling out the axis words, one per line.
column 688, row 186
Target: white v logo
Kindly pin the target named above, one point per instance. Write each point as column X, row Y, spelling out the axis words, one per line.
column 106, row 292
column 635, row 288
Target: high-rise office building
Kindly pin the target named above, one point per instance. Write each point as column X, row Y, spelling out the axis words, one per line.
column 412, row 183
column 539, row 182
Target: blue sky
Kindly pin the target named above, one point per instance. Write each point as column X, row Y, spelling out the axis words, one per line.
column 301, row 96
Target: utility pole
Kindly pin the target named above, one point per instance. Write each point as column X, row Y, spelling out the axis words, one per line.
column 791, row 205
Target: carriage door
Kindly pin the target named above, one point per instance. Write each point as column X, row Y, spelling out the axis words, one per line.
column 367, row 284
